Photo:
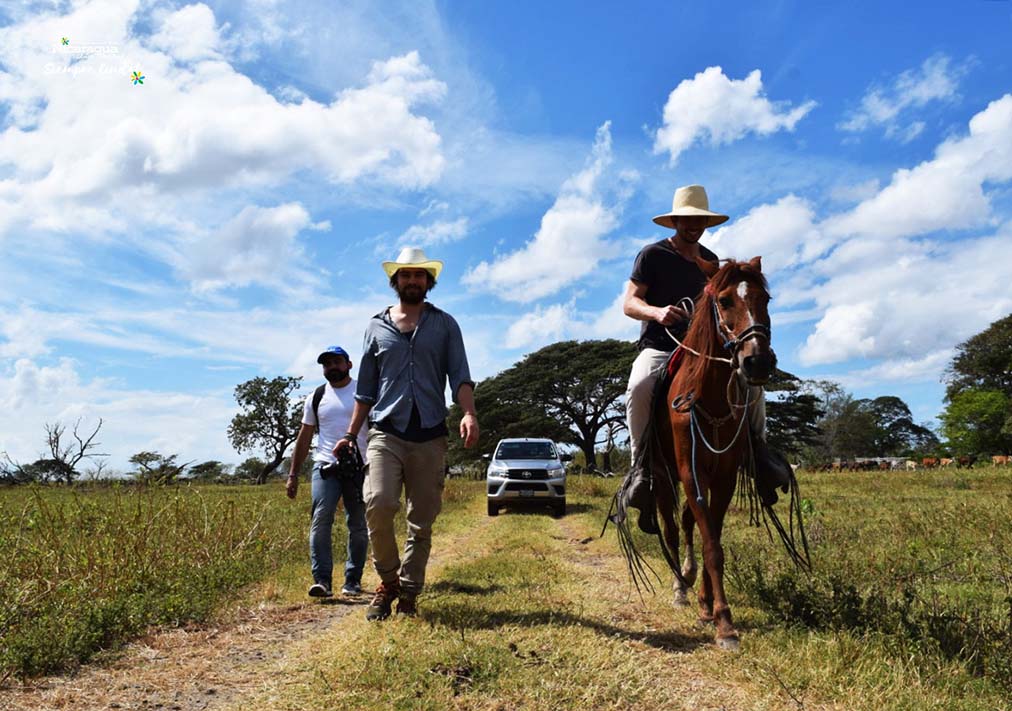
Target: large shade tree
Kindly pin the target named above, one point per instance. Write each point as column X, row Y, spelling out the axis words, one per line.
column 571, row 392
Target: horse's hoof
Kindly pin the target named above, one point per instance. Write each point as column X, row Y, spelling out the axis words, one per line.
column 681, row 599
column 729, row 644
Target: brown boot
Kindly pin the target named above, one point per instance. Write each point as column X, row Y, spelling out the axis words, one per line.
column 772, row 472
column 379, row 608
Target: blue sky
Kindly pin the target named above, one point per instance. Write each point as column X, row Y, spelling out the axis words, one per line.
column 165, row 241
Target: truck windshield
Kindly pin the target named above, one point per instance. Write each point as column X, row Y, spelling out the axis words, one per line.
column 525, row 450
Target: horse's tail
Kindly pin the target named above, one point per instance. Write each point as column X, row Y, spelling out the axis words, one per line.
column 639, row 569
column 792, row 536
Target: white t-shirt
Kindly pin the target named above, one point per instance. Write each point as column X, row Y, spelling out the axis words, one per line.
column 335, row 417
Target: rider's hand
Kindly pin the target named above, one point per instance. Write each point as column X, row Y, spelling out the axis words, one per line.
column 292, row 487
column 669, row 315
column 469, row 430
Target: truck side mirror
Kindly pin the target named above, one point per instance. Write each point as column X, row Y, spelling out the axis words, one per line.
column 486, row 456
column 566, row 457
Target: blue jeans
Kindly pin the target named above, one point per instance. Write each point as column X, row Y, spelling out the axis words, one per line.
column 326, row 492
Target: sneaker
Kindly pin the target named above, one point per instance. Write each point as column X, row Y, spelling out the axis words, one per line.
column 379, row 608
column 351, row 589
column 319, row 590
column 407, row 606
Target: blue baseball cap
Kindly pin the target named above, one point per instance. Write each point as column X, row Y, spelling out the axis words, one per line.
column 335, row 351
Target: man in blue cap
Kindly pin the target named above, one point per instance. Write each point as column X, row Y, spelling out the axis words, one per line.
column 328, row 412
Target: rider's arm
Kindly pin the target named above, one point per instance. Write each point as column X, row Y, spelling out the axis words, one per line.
column 634, row 304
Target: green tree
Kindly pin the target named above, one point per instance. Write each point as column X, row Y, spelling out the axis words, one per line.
column 250, row 469
column 211, row 470
column 976, row 422
column 978, row 414
column 879, row 427
column 570, row 391
column 983, row 362
column 270, row 419
column 792, row 417
column 155, row 468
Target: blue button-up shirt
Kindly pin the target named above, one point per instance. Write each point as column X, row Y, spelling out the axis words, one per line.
column 399, row 371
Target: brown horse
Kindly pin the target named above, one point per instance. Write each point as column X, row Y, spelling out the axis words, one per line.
column 707, row 440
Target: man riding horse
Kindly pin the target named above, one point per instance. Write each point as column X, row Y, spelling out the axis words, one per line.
column 664, row 283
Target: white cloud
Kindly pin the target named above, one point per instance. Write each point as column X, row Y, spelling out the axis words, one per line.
column 855, row 192
column 928, row 368
column 189, row 34
column 255, row 246
column 543, row 325
column 436, row 233
column 783, row 233
column 897, row 300
column 558, row 322
column 569, row 244
column 936, row 80
column 81, row 143
column 613, row 323
column 946, row 192
column 714, row 108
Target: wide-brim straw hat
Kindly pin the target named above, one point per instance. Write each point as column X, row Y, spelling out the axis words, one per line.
column 413, row 257
column 690, row 201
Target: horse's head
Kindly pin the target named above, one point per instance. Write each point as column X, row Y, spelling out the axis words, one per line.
column 739, row 300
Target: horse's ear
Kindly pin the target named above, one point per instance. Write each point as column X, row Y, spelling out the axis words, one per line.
column 756, row 263
column 708, row 268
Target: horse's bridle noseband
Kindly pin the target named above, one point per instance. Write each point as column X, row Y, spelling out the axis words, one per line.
column 734, row 343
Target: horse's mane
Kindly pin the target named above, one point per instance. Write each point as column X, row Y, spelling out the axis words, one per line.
column 703, row 335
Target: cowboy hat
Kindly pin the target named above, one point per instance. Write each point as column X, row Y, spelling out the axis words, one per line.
column 690, row 201
column 413, row 257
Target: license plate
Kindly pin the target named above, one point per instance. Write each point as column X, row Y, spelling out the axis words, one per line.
column 527, row 492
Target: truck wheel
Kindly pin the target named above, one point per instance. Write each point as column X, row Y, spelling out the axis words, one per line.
column 559, row 508
column 493, row 509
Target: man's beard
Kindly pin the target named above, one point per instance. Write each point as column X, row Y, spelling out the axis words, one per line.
column 411, row 294
column 335, row 375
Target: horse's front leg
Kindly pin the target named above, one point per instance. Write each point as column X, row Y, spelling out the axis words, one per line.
column 713, row 605
column 689, row 570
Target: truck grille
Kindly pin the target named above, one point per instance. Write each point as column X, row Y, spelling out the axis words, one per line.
column 527, row 474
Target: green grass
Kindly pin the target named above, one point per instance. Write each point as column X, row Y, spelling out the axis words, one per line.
column 908, row 606
column 85, row 569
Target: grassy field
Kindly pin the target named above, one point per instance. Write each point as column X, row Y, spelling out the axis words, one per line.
column 909, row 605
column 87, row 568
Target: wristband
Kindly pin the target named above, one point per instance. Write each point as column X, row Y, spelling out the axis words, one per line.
column 350, row 437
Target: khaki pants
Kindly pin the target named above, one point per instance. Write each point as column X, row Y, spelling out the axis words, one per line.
column 418, row 468
column 646, row 369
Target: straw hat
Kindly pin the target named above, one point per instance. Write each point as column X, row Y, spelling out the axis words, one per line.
column 415, row 258
column 690, row 201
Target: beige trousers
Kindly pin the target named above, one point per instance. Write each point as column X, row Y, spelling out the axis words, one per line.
column 419, row 469
column 646, row 369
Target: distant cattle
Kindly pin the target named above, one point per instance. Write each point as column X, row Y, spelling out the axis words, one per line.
column 966, row 461
column 1000, row 460
column 911, row 465
column 946, row 462
column 929, row 462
